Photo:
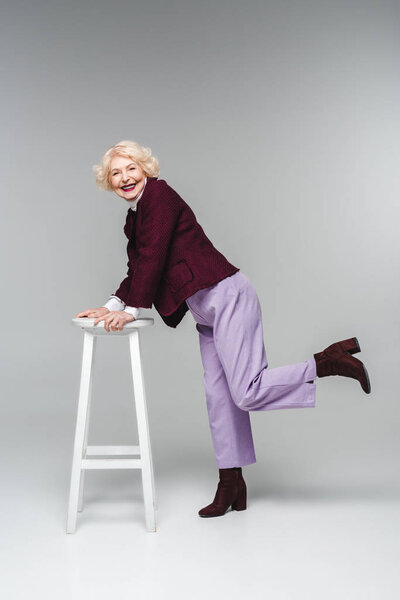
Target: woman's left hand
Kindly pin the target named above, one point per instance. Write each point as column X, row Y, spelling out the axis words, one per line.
column 115, row 319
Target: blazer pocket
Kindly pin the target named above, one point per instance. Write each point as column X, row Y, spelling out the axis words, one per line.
column 178, row 275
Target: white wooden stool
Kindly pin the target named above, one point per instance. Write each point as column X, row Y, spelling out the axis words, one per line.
column 87, row 457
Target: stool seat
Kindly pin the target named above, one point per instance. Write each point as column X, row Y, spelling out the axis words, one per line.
column 88, row 325
column 110, row 457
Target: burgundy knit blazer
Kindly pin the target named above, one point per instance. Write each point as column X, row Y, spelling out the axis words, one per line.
column 169, row 255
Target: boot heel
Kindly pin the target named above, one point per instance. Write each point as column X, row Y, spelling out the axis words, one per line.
column 240, row 502
column 351, row 345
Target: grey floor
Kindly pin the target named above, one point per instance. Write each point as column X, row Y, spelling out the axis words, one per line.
column 323, row 516
column 298, row 542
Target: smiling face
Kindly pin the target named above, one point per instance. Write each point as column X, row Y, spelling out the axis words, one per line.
column 127, row 178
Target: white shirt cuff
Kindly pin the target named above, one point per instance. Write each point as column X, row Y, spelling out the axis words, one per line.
column 132, row 310
column 114, row 303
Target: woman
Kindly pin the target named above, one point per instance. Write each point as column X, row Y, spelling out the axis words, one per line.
column 173, row 265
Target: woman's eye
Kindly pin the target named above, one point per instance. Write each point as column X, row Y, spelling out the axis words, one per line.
column 131, row 168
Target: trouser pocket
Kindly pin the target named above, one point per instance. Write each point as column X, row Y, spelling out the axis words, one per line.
column 192, row 310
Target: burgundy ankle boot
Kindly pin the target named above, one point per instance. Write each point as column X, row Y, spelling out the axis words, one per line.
column 231, row 490
column 336, row 359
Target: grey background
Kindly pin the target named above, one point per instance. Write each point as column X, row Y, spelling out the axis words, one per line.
column 278, row 123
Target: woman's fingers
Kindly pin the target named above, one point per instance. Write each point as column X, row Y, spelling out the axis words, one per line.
column 116, row 323
column 93, row 312
column 90, row 312
column 99, row 319
column 107, row 320
column 115, row 320
column 125, row 320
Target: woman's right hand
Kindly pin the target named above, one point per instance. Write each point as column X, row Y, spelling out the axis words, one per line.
column 93, row 313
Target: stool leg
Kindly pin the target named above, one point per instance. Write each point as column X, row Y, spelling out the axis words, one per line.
column 82, row 483
column 143, row 431
column 87, row 364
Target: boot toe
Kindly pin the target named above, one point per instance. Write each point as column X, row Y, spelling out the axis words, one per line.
column 366, row 385
column 356, row 369
column 210, row 511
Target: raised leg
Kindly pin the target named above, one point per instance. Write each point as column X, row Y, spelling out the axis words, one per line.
column 143, row 431
column 80, row 430
column 238, row 337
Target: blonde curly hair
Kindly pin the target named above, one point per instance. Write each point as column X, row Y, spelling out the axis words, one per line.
column 140, row 154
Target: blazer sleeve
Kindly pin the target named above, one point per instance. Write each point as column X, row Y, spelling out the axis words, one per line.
column 160, row 215
column 123, row 290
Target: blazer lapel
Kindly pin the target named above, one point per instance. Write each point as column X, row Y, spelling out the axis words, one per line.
column 129, row 228
column 139, row 205
column 134, row 217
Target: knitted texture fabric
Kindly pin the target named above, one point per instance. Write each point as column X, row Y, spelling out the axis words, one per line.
column 169, row 255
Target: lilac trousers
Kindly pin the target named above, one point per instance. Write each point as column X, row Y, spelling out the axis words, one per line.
column 236, row 375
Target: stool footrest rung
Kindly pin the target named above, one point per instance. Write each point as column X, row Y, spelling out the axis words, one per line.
column 111, row 463
column 112, row 450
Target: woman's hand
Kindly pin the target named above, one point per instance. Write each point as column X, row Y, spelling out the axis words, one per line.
column 115, row 319
column 92, row 312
